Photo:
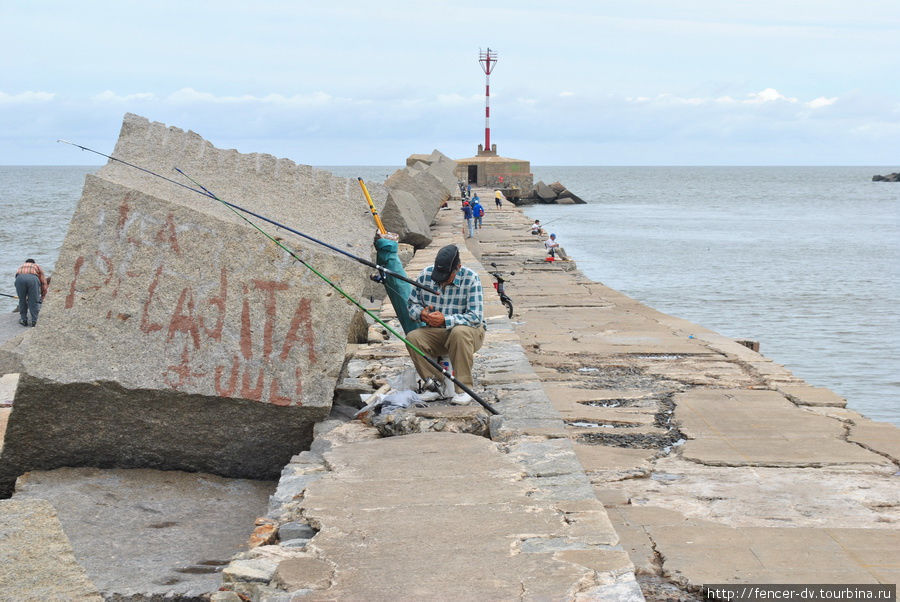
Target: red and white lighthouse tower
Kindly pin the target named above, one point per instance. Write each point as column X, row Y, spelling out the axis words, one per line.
column 488, row 60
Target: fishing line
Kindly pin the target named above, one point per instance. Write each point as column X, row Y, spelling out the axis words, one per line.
column 381, row 270
column 432, row 362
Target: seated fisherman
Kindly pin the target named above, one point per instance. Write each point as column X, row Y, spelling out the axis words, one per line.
column 454, row 320
column 552, row 245
column 536, row 228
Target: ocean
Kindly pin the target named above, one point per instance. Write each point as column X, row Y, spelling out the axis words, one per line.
column 805, row 260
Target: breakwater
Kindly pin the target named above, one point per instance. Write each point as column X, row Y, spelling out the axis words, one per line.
column 625, row 436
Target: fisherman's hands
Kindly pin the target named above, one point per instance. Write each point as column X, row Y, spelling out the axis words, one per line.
column 433, row 318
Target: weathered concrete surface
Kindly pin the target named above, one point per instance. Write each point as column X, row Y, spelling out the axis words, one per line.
column 193, row 340
column 36, row 560
column 761, row 428
column 148, row 532
column 468, row 528
column 736, row 441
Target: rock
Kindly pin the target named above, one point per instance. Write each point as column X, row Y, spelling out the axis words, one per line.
column 303, row 573
column 196, row 343
column 564, row 200
column 427, row 189
column 571, row 195
column 544, row 193
column 404, row 215
column 892, row 177
column 295, row 530
column 557, row 187
column 263, row 535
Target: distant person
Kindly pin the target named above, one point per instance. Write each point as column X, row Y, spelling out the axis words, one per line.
column 498, row 198
column 552, row 245
column 468, row 215
column 477, row 213
column 31, row 287
column 536, row 228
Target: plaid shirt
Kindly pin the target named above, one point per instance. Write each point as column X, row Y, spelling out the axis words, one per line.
column 33, row 268
column 461, row 301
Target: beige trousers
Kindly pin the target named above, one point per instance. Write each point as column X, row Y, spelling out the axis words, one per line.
column 458, row 343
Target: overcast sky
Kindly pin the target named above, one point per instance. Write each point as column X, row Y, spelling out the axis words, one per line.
column 598, row 82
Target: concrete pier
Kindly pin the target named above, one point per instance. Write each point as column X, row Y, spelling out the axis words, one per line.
column 637, row 455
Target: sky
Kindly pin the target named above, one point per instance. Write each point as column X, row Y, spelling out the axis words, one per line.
column 599, row 82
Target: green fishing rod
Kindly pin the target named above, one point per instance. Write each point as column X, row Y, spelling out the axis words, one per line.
column 290, row 252
column 382, row 271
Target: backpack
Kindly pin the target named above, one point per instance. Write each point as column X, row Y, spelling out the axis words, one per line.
column 480, row 211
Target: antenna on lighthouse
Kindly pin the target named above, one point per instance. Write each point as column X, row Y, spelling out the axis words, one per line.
column 488, row 60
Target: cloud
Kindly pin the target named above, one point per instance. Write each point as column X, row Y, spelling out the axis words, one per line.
column 26, row 97
column 768, row 95
column 818, row 103
column 112, row 97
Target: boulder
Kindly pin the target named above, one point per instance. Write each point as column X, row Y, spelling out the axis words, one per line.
column 403, row 215
column 425, row 187
column 176, row 336
column 544, row 193
column 891, row 177
column 568, row 194
column 557, row 187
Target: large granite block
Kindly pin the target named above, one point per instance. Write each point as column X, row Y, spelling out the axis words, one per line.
column 175, row 335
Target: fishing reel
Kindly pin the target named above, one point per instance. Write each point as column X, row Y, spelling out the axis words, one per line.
column 378, row 276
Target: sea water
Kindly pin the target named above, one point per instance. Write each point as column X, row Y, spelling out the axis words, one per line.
column 803, row 259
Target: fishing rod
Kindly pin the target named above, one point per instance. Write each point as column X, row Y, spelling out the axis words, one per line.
column 372, row 208
column 432, row 362
column 382, row 271
column 10, row 296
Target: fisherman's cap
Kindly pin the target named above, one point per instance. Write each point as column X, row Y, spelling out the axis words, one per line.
column 447, row 259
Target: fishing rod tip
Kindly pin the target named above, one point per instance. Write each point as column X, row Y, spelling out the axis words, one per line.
column 63, row 141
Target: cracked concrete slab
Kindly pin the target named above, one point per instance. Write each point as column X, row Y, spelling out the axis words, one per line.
column 761, row 428
column 695, row 555
column 454, row 512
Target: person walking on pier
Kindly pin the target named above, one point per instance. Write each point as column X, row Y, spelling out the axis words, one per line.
column 467, row 214
column 454, row 320
column 31, row 287
column 478, row 213
column 498, row 198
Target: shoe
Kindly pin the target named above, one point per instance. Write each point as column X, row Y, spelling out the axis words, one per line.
column 430, row 396
column 461, row 399
column 23, row 322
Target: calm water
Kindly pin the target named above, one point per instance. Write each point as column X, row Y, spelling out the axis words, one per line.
column 805, row 260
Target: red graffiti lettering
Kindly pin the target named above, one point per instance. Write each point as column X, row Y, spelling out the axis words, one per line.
column 123, row 215
column 167, row 234
column 246, row 343
column 270, row 288
column 146, row 325
column 219, row 303
column 185, row 322
column 254, row 393
column 70, row 298
column 302, row 319
column 232, row 380
column 275, row 397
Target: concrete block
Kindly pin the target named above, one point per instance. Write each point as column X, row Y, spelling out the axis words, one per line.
column 196, row 342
